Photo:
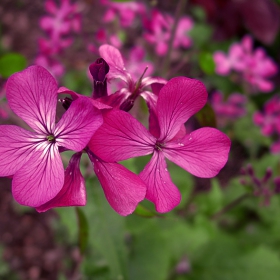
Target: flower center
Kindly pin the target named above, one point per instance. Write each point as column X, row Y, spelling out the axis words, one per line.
column 51, row 138
column 159, row 146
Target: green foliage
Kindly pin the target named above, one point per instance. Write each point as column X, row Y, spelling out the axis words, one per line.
column 11, row 63
column 206, row 62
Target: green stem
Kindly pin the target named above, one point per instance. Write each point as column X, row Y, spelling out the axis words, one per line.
column 230, row 206
column 180, row 7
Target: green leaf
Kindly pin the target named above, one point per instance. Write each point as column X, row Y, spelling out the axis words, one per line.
column 150, row 255
column 11, row 63
column 83, row 229
column 201, row 34
column 106, row 231
column 144, row 212
column 206, row 62
column 206, row 116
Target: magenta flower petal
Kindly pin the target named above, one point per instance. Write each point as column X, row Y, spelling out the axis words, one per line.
column 178, row 100
column 203, row 153
column 160, row 189
column 32, row 95
column 151, row 100
column 15, row 144
column 41, row 179
column 121, row 137
column 123, row 189
column 73, row 192
column 78, row 124
column 114, row 58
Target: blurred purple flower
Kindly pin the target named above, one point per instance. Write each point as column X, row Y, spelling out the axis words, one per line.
column 32, row 156
column 265, row 187
column 202, row 153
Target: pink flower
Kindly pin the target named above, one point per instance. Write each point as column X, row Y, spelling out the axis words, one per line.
column 159, row 30
column 62, row 19
column 269, row 119
column 202, row 153
column 32, row 156
column 126, row 96
column 255, row 66
column 122, row 188
column 126, row 12
column 181, row 39
column 234, row 107
column 234, row 60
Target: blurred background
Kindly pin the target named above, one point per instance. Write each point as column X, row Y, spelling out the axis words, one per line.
column 226, row 227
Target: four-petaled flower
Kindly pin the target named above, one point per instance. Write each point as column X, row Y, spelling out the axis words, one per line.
column 32, row 156
column 202, row 153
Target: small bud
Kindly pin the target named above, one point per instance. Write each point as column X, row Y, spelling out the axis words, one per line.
column 99, row 69
column 277, row 184
column 66, row 102
column 267, row 175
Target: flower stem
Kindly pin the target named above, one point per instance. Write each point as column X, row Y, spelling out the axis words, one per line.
column 180, row 7
column 230, row 206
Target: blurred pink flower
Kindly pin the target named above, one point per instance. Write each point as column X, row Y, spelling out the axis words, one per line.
column 254, row 65
column 62, row 19
column 232, row 108
column 125, row 11
column 159, row 29
column 269, row 119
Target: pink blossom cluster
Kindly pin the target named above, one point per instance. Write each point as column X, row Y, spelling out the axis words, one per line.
column 269, row 121
column 159, row 28
column 59, row 25
column 255, row 67
column 229, row 110
column 102, row 127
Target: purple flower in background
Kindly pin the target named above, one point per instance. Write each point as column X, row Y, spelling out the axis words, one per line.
column 202, row 153
column 264, row 187
column 231, row 109
column 125, row 97
column 32, row 156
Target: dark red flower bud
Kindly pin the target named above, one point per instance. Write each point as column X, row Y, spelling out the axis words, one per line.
column 99, row 69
